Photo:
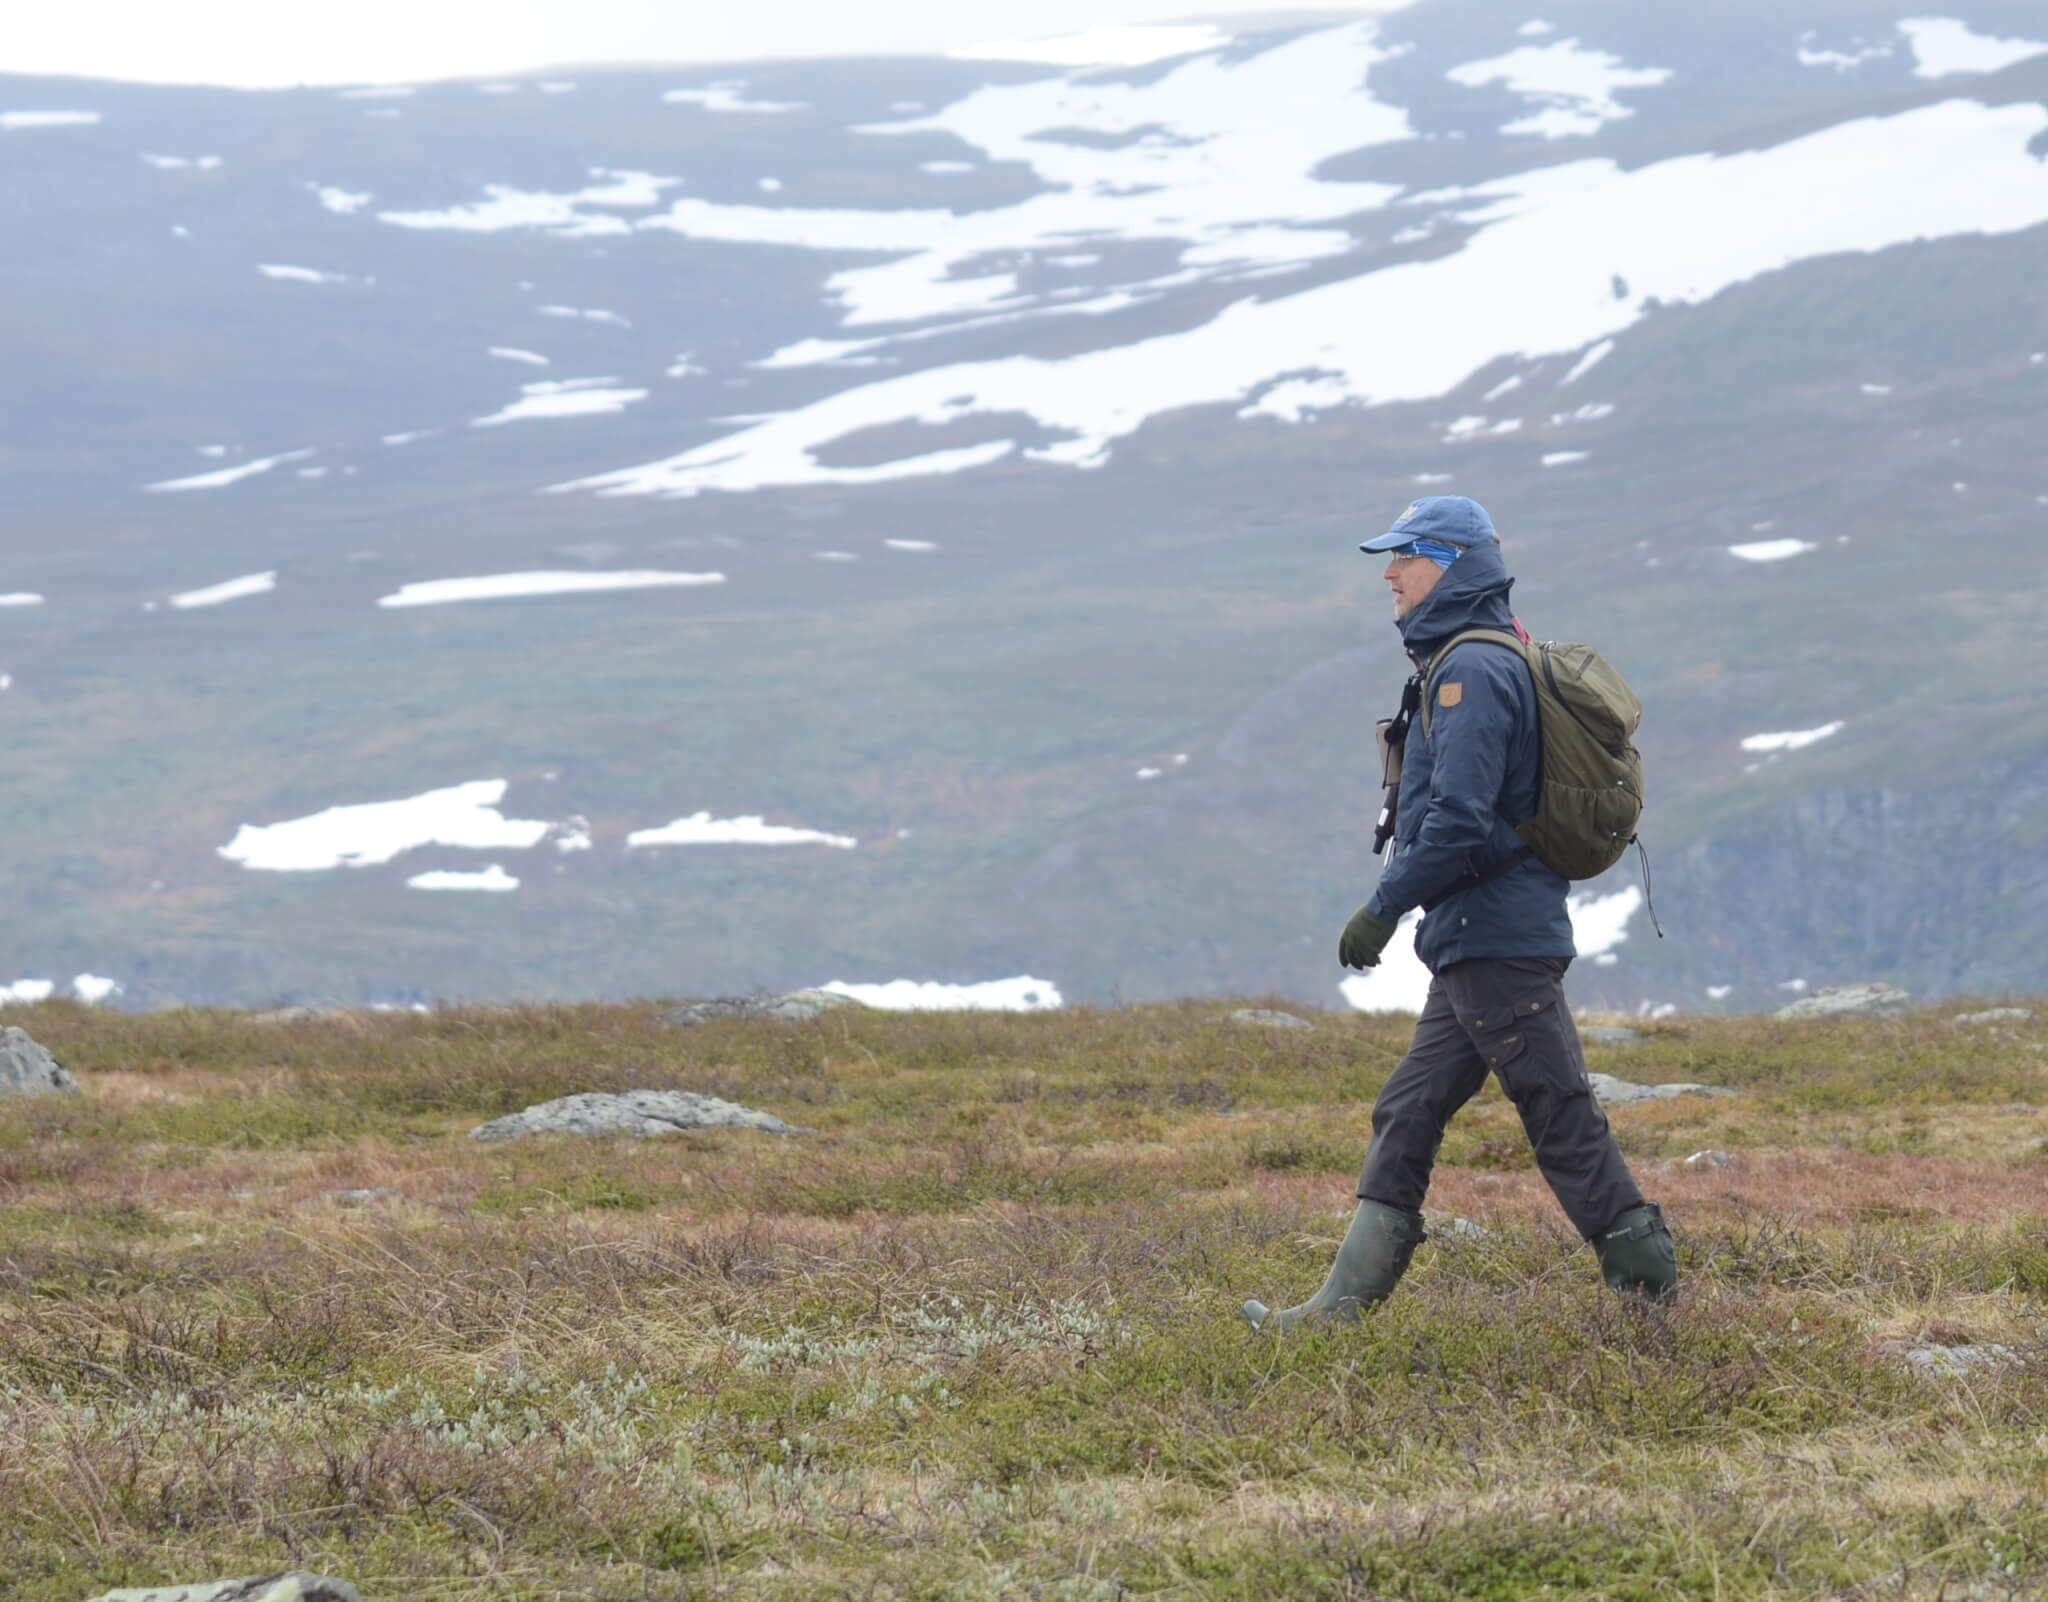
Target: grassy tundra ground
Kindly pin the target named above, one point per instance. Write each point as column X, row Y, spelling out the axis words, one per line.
column 976, row 1335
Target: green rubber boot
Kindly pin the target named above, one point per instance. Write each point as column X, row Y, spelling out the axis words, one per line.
column 1636, row 1255
column 1371, row 1261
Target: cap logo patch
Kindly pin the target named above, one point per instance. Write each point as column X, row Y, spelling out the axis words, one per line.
column 1402, row 520
column 1449, row 694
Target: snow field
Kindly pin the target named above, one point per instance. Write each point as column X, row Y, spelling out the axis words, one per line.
column 1526, row 284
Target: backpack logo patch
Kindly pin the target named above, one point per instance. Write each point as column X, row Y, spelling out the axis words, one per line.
column 1449, row 694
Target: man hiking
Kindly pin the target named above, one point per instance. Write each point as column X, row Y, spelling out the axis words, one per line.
column 1496, row 937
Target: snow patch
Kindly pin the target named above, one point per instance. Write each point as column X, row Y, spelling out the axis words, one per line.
column 520, row 586
column 1564, row 458
column 729, row 97
column 909, row 545
column 92, row 988
column 492, row 878
column 566, row 397
column 1586, row 363
column 1573, row 86
column 1944, row 47
column 27, row 990
column 222, row 477
column 1771, row 550
column 14, row 121
column 21, row 598
column 364, row 835
column 1022, row 994
column 1600, row 923
column 506, row 207
column 1293, row 399
column 180, row 163
column 232, row 590
column 588, row 314
column 299, row 275
column 701, row 828
column 1840, row 60
column 512, row 353
column 1791, row 739
column 342, row 202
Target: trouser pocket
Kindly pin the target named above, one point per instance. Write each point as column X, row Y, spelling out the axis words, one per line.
column 1523, row 1033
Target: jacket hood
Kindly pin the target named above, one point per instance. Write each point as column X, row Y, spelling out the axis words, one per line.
column 1472, row 594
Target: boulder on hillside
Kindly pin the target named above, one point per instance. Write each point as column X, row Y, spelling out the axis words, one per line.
column 26, row 1069
column 296, row 1586
column 1612, row 1092
column 792, row 1006
column 1871, row 1000
column 1267, row 1018
column 635, row 1112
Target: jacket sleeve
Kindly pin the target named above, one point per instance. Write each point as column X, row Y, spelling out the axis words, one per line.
column 1469, row 744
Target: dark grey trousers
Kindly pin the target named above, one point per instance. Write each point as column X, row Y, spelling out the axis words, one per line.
column 1506, row 1016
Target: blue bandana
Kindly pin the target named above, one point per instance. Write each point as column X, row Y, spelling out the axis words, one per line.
column 1442, row 555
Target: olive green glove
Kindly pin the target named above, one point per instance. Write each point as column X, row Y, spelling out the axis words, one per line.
column 1364, row 938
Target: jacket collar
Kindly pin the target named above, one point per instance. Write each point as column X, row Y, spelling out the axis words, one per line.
column 1472, row 594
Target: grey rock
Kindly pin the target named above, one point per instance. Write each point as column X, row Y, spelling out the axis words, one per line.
column 28, row 1070
column 1614, row 1092
column 1267, row 1018
column 1454, row 1226
column 1860, row 1001
column 792, row 1006
column 1712, row 1159
column 1993, row 1015
column 295, row 1586
column 1953, row 1362
column 362, row 1198
column 294, row 1014
column 1608, row 1034
column 635, row 1112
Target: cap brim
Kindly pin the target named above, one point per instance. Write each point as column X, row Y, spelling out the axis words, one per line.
column 1388, row 542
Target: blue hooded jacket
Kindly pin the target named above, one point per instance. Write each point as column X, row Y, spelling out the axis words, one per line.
column 1468, row 782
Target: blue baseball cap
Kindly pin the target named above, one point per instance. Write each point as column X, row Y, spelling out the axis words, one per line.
column 1448, row 519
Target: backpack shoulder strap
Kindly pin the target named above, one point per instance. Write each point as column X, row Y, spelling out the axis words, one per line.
column 1498, row 637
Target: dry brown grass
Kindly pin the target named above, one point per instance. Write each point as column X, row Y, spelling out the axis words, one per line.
column 976, row 1335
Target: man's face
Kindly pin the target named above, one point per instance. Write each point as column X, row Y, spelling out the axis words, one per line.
column 1412, row 578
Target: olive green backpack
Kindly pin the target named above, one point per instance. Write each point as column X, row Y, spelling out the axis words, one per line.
column 1592, row 788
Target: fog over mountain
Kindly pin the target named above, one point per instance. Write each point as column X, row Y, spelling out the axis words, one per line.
column 649, row 533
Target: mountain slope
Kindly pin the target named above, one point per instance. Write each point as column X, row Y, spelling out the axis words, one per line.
column 1027, row 418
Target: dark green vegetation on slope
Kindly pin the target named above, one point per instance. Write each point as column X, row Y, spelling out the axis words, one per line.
column 975, row 1336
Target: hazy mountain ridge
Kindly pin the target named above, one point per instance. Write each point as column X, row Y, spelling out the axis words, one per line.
column 1192, row 593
